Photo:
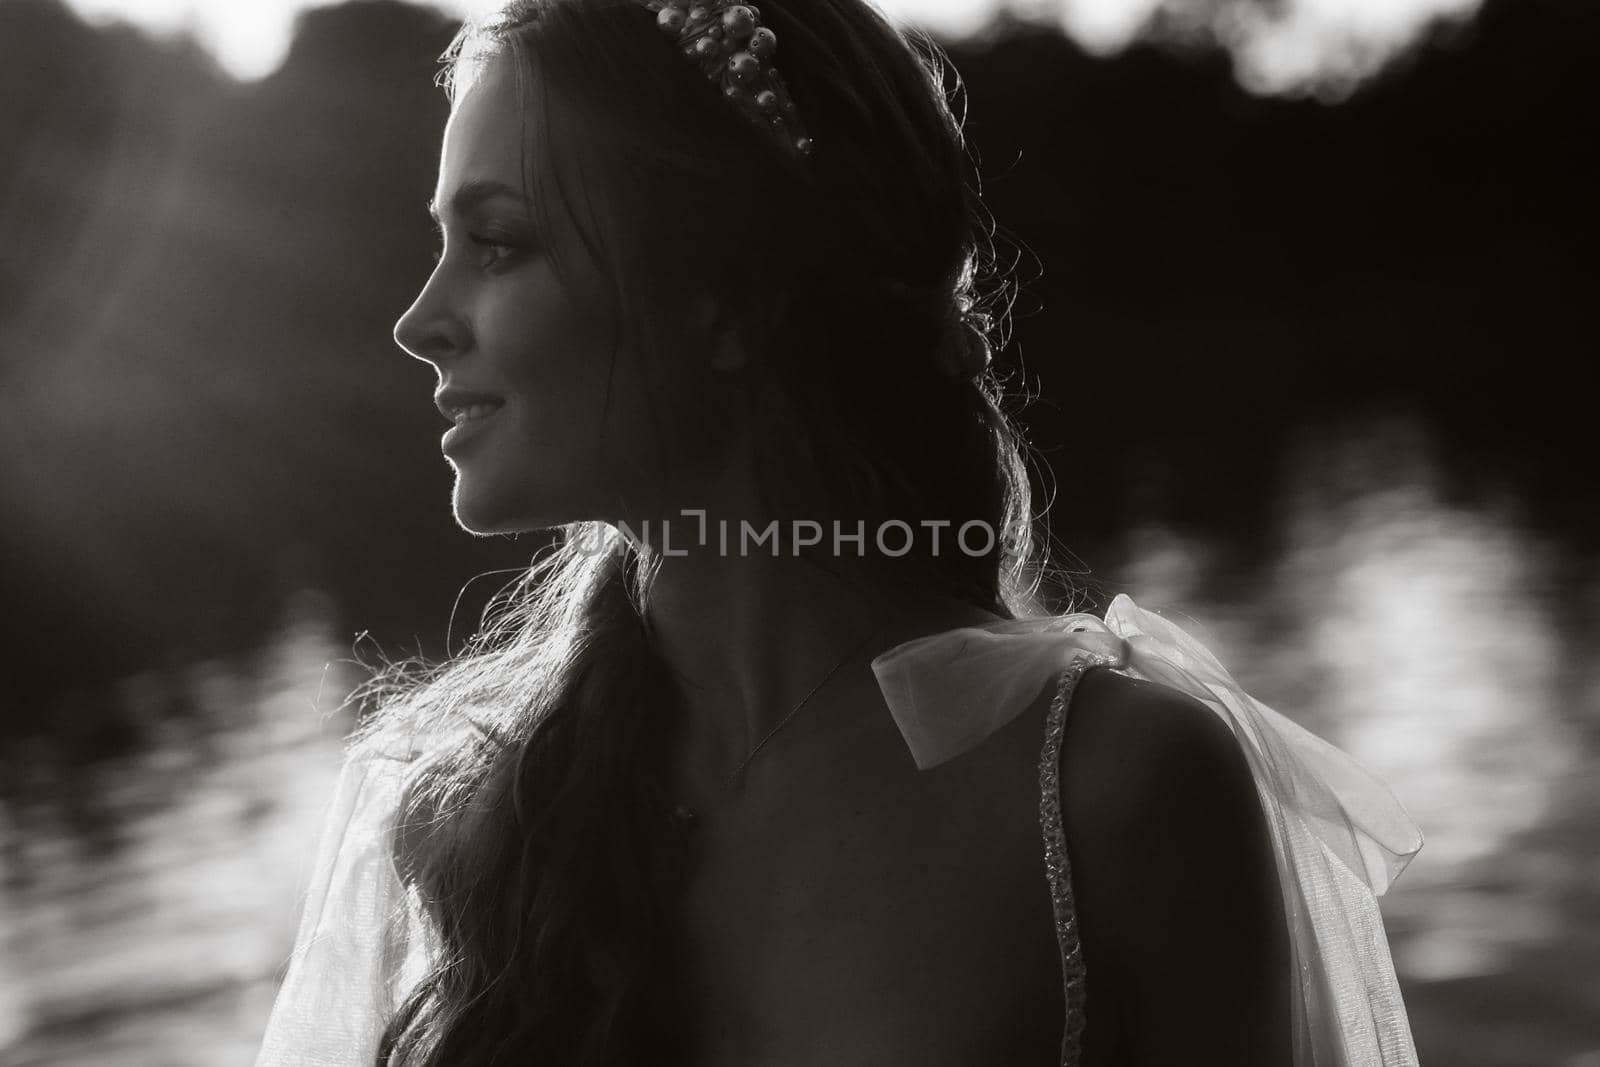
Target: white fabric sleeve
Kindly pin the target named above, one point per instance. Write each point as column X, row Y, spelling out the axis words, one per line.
column 362, row 942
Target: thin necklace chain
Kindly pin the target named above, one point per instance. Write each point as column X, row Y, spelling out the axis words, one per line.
column 685, row 813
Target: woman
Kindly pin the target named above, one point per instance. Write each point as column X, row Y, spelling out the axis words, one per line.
column 770, row 760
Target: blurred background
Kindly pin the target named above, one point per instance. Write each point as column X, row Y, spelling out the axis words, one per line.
column 1308, row 300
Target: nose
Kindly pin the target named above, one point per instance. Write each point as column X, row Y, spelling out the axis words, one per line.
column 431, row 330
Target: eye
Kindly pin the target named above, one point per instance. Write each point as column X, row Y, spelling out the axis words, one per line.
column 493, row 251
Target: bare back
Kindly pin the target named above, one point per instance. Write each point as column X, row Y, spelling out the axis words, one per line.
column 849, row 909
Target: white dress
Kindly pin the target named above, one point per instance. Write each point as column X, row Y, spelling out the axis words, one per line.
column 1339, row 836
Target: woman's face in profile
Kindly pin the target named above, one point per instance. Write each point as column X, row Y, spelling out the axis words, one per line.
column 524, row 364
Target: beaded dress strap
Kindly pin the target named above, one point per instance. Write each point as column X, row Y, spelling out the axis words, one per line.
column 1058, row 867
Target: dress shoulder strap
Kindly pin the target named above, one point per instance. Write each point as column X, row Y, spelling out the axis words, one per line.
column 1057, row 864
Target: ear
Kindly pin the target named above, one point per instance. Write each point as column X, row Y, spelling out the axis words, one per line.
column 726, row 347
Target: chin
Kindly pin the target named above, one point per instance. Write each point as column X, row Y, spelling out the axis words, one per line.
column 481, row 510
column 486, row 513
column 483, row 528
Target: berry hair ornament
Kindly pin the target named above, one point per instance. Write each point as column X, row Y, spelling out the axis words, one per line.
column 731, row 48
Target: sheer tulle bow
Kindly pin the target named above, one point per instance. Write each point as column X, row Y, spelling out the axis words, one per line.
column 1340, row 836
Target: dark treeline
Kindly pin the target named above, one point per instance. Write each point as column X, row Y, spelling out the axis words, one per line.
column 204, row 411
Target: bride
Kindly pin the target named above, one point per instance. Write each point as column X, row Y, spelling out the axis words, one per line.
column 781, row 755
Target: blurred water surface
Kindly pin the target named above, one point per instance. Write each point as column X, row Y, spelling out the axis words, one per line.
column 149, row 894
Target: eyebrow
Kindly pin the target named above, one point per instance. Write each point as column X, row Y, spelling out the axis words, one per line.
column 474, row 193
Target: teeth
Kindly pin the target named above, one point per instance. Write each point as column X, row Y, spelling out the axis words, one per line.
column 474, row 411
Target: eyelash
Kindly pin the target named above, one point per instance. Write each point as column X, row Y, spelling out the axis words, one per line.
column 510, row 249
column 490, row 244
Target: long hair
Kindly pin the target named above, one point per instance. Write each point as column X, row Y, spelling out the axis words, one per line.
column 533, row 828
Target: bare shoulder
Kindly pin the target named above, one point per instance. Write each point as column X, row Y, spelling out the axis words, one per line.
column 1174, row 874
column 1155, row 788
column 1136, row 752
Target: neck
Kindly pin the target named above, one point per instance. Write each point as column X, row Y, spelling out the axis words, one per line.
column 748, row 637
column 748, row 634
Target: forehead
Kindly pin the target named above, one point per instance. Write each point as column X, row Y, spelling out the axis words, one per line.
column 483, row 138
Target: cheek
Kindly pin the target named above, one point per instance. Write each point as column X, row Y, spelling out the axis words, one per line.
column 552, row 360
column 582, row 403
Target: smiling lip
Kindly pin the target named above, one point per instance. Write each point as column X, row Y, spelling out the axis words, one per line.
column 454, row 398
column 469, row 427
column 464, row 431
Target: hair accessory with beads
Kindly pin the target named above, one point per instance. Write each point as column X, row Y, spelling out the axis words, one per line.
column 730, row 46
